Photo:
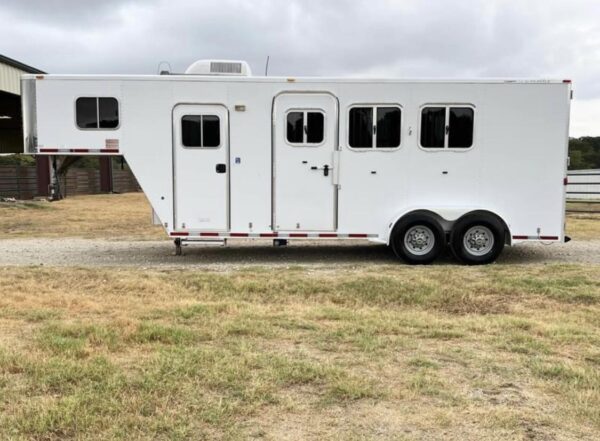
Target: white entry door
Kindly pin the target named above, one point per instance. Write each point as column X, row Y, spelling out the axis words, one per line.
column 201, row 167
column 305, row 138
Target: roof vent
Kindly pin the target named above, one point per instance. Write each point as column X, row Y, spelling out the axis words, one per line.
column 219, row 67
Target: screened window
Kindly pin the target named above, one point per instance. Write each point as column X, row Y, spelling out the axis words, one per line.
column 447, row 127
column 305, row 127
column 383, row 131
column 97, row 113
column 200, row 131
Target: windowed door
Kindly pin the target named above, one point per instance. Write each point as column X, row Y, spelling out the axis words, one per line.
column 305, row 138
column 201, row 167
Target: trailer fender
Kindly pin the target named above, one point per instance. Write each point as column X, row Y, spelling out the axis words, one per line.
column 446, row 217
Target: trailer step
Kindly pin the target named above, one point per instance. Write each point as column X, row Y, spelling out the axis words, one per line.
column 181, row 242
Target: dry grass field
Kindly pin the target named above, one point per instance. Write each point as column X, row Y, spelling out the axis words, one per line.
column 371, row 351
column 128, row 215
column 95, row 216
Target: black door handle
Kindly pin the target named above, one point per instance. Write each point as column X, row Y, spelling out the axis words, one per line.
column 325, row 170
column 221, row 168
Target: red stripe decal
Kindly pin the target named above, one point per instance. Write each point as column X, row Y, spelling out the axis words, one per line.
column 49, row 150
column 327, row 234
column 268, row 234
column 239, row 234
column 210, row 234
column 80, row 150
column 357, row 235
column 110, row 151
column 180, row 233
column 298, row 235
column 520, row 237
column 549, row 237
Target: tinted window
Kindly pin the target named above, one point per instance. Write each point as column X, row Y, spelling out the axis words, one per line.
column 461, row 127
column 109, row 113
column 388, row 127
column 190, row 130
column 211, row 136
column 86, row 113
column 361, row 127
column 433, row 126
column 295, row 127
column 315, row 124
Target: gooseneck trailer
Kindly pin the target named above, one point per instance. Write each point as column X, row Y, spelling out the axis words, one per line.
column 416, row 164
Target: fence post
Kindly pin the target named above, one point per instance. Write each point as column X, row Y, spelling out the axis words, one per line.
column 106, row 181
column 18, row 173
column 42, row 166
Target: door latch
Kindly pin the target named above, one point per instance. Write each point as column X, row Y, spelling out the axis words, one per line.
column 221, row 168
column 325, row 169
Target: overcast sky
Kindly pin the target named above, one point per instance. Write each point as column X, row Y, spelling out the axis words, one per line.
column 401, row 38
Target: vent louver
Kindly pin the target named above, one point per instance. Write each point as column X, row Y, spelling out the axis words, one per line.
column 225, row 67
column 219, row 67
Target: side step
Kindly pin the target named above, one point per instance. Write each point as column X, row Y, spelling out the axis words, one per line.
column 179, row 243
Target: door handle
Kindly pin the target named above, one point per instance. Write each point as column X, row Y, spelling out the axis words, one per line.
column 325, row 169
column 221, row 168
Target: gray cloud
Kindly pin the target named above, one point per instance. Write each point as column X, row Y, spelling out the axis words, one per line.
column 384, row 38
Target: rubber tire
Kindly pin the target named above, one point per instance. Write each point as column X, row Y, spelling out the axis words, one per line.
column 463, row 225
column 397, row 239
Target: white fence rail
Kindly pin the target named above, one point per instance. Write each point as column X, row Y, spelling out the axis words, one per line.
column 583, row 185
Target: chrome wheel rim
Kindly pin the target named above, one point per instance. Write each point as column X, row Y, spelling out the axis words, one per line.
column 478, row 240
column 419, row 240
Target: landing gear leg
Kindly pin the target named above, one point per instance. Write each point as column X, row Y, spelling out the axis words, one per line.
column 178, row 249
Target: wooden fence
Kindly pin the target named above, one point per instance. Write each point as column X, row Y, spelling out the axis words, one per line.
column 17, row 181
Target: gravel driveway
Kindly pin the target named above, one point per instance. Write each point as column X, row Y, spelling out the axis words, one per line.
column 84, row 252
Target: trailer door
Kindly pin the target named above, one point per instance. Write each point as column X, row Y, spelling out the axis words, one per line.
column 305, row 138
column 201, row 167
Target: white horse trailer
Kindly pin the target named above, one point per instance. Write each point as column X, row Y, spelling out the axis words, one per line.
column 415, row 164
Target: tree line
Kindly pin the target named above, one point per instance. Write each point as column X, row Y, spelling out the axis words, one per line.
column 584, row 152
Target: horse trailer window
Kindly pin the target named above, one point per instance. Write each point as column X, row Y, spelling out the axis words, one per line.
column 361, row 127
column 460, row 133
column 383, row 132
column 447, row 127
column 305, row 127
column 315, row 126
column 200, row 131
column 433, row 127
column 295, row 127
column 97, row 113
column 211, row 136
column 191, row 130
column 86, row 112
column 108, row 109
column 387, row 131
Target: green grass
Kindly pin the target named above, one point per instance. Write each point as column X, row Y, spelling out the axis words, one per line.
column 377, row 352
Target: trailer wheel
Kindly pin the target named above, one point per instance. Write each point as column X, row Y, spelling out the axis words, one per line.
column 477, row 239
column 417, row 239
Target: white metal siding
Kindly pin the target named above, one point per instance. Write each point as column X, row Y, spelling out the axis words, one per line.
column 10, row 78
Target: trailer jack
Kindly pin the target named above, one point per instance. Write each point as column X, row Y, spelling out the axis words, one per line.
column 178, row 250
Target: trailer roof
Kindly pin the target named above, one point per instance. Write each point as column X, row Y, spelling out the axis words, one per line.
column 290, row 79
